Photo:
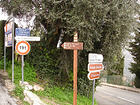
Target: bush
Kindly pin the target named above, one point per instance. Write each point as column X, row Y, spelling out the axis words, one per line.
column 2, row 63
column 137, row 82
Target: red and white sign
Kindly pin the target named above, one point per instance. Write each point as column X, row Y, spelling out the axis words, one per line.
column 8, row 27
column 95, row 67
column 8, row 34
column 93, row 75
column 22, row 48
column 72, row 45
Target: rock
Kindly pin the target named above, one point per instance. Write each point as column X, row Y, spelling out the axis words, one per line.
column 9, row 85
column 38, row 88
column 26, row 85
column 32, row 98
column 23, row 83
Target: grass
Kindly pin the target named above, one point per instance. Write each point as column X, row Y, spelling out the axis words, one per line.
column 57, row 95
column 64, row 96
column 29, row 75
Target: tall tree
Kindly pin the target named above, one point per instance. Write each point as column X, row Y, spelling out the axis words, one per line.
column 135, row 51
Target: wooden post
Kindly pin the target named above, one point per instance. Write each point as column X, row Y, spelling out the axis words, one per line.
column 75, row 57
column 75, row 46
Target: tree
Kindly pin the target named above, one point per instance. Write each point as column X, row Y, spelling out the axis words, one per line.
column 2, row 23
column 135, row 51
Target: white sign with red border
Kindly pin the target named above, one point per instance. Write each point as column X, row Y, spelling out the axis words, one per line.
column 92, row 58
column 22, row 48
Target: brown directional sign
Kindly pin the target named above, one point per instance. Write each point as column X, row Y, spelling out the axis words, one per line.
column 73, row 45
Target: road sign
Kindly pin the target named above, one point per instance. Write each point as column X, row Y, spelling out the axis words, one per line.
column 72, row 45
column 8, row 34
column 22, row 48
column 93, row 75
column 92, row 57
column 8, row 40
column 8, row 28
column 22, row 32
column 26, row 38
column 94, row 67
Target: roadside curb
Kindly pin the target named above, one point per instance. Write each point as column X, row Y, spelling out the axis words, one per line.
column 122, row 87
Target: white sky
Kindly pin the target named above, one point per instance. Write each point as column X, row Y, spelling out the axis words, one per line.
column 21, row 23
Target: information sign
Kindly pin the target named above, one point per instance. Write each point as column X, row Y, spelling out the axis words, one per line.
column 95, row 57
column 8, row 34
column 27, row 38
column 22, row 32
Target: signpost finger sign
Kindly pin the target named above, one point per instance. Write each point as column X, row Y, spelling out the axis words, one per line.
column 94, row 75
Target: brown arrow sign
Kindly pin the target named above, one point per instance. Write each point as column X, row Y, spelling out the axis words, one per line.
column 73, row 45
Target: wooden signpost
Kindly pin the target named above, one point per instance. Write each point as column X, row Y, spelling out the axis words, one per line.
column 75, row 46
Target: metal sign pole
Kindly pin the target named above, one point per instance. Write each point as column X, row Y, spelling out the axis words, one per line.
column 13, row 50
column 93, row 92
column 22, row 68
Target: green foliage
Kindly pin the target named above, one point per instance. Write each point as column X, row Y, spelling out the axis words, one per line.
column 103, row 26
column 117, row 67
column 2, row 23
column 42, row 60
column 64, row 96
column 135, row 51
column 85, row 86
column 29, row 73
column 2, row 63
column 19, row 92
column 137, row 82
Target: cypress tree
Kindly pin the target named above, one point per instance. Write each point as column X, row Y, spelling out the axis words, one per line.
column 135, row 51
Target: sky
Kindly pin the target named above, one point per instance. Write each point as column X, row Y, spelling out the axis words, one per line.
column 21, row 23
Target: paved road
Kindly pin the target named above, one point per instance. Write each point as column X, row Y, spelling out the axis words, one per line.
column 113, row 96
column 5, row 98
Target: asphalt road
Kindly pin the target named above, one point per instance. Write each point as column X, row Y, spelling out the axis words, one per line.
column 5, row 98
column 113, row 96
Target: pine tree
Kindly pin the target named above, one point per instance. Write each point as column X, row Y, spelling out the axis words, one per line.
column 135, row 51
